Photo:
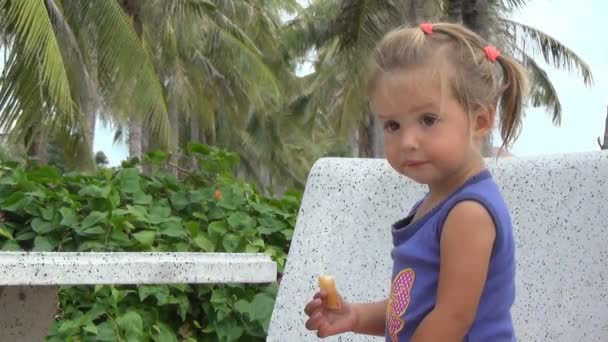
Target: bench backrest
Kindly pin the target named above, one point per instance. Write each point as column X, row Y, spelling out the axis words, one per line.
column 559, row 206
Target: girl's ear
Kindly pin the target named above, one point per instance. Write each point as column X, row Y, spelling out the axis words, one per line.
column 483, row 121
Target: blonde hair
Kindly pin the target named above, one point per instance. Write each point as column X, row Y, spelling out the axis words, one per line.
column 474, row 80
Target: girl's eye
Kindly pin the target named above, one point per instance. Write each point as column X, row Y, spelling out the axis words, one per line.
column 391, row 126
column 428, row 120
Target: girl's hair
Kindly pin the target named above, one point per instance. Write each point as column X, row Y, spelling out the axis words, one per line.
column 473, row 78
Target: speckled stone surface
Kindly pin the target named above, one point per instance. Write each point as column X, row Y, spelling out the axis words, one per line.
column 18, row 268
column 560, row 216
column 27, row 312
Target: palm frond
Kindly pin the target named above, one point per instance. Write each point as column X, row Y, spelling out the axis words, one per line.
column 514, row 4
column 311, row 29
column 125, row 68
column 361, row 23
column 72, row 51
column 34, row 38
column 245, row 67
column 554, row 52
column 542, row 91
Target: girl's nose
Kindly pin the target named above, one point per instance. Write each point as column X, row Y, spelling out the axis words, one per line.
column 409, row 140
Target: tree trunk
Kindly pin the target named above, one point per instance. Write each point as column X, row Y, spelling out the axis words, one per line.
column 173, row 132
column 604, row 146
column 85, row 160
column 454, row 11
column 475, row 16
column 353, row 144
column 92, row 106
column 37, row 145
column 264, row 178
column 146, row 147
column 418, row 11
column 195, row 131
column 134, row 137
column 365, row 141
column 132, row 8
column 377, row 139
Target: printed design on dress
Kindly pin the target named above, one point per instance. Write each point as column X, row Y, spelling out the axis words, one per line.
column 398, row 302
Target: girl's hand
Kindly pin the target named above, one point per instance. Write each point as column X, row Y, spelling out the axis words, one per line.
column 327, row 322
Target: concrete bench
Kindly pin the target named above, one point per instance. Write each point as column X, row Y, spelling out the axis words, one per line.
column 560, row 213
column 29, row 282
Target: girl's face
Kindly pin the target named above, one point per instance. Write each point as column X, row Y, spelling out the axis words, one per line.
column 428, row 135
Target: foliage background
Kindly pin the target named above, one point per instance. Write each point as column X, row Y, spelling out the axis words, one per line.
column 120, row 209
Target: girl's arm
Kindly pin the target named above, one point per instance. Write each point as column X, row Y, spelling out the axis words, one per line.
column 466, row 246
column 371, row 318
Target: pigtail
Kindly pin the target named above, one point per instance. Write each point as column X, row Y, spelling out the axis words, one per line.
column 511, row 99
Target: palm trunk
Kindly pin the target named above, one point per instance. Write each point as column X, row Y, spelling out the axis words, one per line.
column 377, row 139
column 194, row 137
column 37, row 145
column 475, row 16
column 84, row 151
column 146, row 147
column 353, row 144
column 419, row 11
column 454, row 11
column 134, row 138
column 195, row 130
column 264, row 177
column 173, row 132
column 92, row 106
column 604, row 146
column 132, row 9
column 365, row 141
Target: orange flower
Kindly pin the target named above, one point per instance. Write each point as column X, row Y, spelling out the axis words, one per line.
column 218, row 195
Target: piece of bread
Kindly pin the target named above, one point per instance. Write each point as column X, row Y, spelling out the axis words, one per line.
column 328, row 284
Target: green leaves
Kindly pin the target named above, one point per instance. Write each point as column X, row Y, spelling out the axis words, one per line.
column 40, row 226
column 204, row 243
column 129, row 180
column 69, row 218
column 146, row 238
column 241, row 220
column 217, row 228
column 230, row 242
column 131, row 325
column 92, row 219
column 6, row 232
column 70, row 213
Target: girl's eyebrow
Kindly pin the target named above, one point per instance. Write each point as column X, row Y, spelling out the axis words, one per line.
column 423, row 106
column 418, row 108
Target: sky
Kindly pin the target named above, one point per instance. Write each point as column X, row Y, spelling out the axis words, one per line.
column 581, row 27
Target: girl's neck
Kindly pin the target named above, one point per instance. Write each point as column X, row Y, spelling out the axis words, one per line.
column 451, row 183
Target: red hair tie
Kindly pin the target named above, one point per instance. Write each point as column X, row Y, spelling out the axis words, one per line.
column 492, row 53
column 426, row 28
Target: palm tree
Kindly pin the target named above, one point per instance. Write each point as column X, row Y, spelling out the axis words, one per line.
column 226, row 82
column 64, row 60
column 342, row 33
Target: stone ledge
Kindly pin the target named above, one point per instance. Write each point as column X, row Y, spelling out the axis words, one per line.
column 67, row 268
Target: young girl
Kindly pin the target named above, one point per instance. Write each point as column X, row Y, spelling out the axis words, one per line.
column 437, row 89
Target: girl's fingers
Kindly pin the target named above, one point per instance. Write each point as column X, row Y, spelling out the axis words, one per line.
column 322, row 294
column 312, row 306
column 324, row 330
column 315, row 320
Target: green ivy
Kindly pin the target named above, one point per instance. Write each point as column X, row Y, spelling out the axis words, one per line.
column 206, row 210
